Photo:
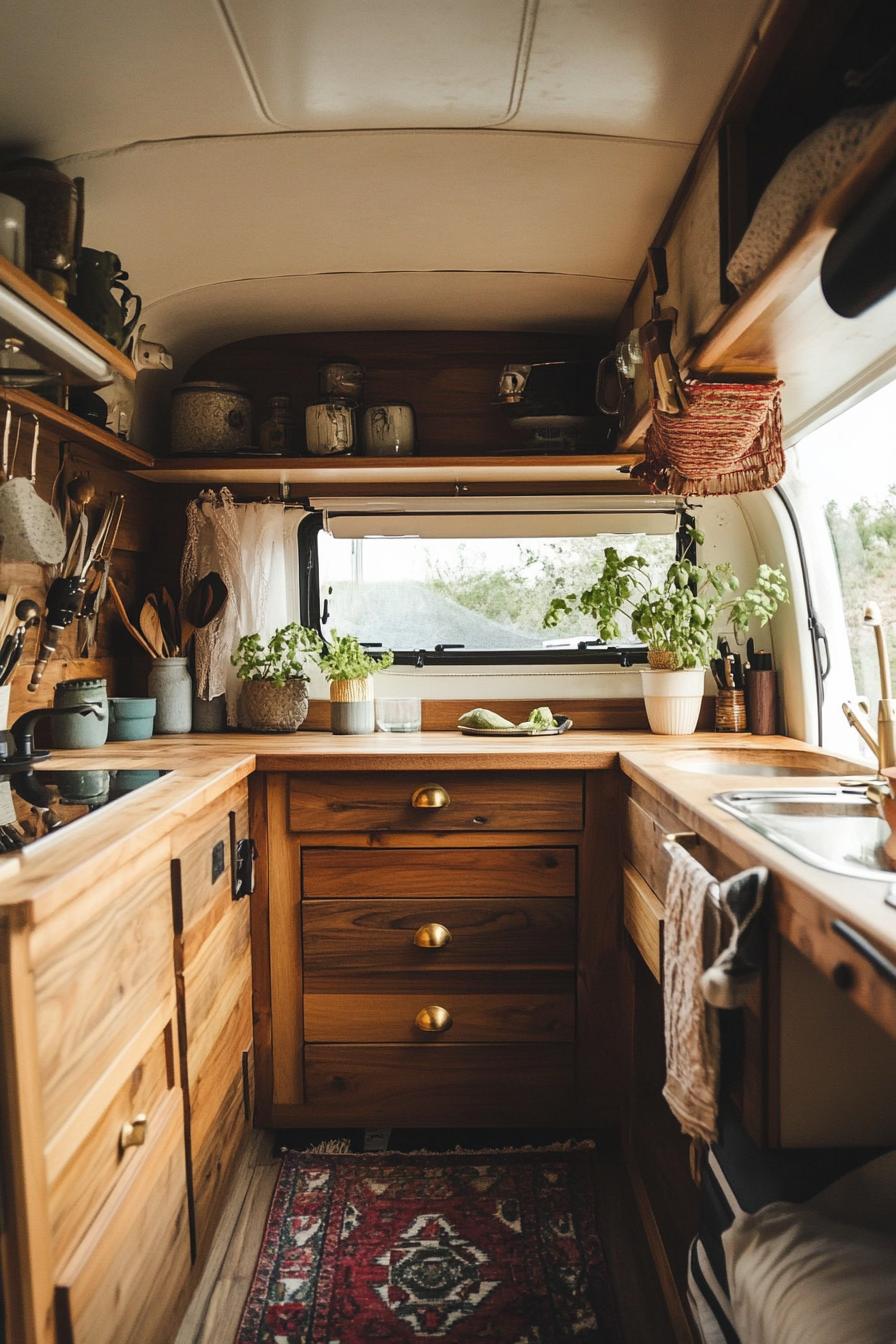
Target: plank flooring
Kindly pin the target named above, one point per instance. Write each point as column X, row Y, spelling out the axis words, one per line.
column 214, row 1313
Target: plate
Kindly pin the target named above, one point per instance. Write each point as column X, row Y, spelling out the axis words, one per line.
column 563, row 726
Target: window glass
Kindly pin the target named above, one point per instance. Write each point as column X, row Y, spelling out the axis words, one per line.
column 487, row 593
column 850, row 464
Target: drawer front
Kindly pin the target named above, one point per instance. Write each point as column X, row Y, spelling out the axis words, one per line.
column 485, row 1017
column 77, row 1193
column 126, row 1282
column 455, row 1084
column 499, row 800
column 351, row 938
column 644, row 918
column 202, row 869
column 438, row 874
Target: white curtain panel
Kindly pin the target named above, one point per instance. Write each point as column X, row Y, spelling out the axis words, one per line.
column 254, row 547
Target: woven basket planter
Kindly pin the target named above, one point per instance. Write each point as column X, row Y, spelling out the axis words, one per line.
column 351, row 706
column 275, row 709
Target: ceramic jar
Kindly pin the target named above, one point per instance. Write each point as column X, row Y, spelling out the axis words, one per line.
column 352, row 706
column 329, row 428
column 389, row 430
column 171, row 685
column 275, row 709
column 210, row 418
column 74, row 731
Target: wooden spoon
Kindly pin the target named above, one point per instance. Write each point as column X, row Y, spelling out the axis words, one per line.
column 125, row 620
column 152, row 628
column 207, row 600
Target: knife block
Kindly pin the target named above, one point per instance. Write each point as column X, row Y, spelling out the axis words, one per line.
column 731, row 712
column 762, row 702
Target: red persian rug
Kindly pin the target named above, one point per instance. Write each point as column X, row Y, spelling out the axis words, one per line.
column 461, row 1247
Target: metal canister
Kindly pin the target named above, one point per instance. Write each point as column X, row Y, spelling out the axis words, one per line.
column 210, row 418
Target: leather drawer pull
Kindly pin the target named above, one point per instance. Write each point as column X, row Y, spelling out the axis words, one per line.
column 432, row 937
column 433, row 1018
column 885, row 969
column 431, row 795
column 133, row 1133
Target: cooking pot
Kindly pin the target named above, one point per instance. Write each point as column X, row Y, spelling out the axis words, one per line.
column 210, row 418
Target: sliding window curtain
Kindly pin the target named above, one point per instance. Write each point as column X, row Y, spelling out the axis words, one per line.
column 254, row 548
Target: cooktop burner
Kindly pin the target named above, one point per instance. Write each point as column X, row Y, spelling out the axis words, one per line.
column 35, row 803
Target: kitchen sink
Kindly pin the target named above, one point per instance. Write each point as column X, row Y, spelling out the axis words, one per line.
column 763, row 761
column 834, row 828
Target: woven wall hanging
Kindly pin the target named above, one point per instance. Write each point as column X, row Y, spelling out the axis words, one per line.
column 729, row 442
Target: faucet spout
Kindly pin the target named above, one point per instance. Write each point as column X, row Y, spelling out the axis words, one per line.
column 857, row 717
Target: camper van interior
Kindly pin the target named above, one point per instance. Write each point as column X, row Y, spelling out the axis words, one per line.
column 447, row 608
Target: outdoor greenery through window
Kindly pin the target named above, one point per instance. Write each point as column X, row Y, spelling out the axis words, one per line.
column 482, row 593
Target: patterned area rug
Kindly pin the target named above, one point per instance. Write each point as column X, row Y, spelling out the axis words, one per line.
column 466, row 1248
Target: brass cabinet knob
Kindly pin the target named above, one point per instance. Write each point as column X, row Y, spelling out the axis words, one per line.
column 430, row 795
column 433, row 1018
column 133, row 1134
column 432, row 936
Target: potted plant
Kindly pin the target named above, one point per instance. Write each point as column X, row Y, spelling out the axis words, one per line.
column 275, row 689
column 349, row 669
column 676, row 620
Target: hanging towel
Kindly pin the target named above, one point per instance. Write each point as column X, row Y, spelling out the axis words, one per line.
column 728, row 442
column 730, row 980
column 691, row 945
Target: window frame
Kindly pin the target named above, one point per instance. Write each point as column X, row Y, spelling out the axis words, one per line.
column 590, row 653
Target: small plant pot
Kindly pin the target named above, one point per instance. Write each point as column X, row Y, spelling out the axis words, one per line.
column 352, row 706
column 673, row 699
column 276, row 709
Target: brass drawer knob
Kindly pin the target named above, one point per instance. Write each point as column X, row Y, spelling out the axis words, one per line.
column 432, row 936
column 133, row 1134
column 433, row 1018
column 430, row 795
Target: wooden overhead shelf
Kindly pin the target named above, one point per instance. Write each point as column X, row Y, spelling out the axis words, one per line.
column 72, row 429
column 29, row 291
column 386, row 471
column 782, row 325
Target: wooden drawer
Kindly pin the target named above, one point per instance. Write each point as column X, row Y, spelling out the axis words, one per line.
column 361, row 938
column 79, row 1190
column 202, row 868
column 453, row 1084
column 442, row 874
column 644, row 916
column 488, row 800
column 490, row 1016
column 126, row 1281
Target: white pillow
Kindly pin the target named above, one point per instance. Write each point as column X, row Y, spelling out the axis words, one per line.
column 797, row 1277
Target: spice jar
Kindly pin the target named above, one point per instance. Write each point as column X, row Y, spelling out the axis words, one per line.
column 279, row 434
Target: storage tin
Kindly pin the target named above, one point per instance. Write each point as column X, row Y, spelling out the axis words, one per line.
column 210, row 418
column 75, row 731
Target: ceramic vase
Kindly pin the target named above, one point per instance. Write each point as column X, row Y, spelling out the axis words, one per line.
column 171, row 686
column 352, row 706
column 276, row 709
column 673, row 699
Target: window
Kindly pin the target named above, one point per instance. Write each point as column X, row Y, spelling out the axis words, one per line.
column 474, row 590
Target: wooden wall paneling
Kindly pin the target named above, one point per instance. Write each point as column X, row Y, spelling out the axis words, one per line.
column 449, row 377
column 606, row 715
column 26, row 1241
column 598, row 1060
column 262, row 1031
column 285, row 886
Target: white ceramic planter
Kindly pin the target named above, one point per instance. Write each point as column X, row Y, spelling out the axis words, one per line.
column 673, row 699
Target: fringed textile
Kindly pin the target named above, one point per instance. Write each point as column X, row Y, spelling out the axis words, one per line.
column 730, row 442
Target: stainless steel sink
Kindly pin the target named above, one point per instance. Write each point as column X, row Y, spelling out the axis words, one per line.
column 763, row 761
column 834, row 828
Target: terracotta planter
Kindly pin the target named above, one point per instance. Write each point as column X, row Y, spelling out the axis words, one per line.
column 351, row 706
column 275, row 709
column 673, row 699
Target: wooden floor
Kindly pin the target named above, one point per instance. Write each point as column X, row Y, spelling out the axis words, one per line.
column 214, row 1313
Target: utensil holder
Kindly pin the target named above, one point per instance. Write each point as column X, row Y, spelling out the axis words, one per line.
column 731, row 712
column 762, row 702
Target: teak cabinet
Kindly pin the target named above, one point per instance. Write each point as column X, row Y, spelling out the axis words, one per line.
column 436, row 948
column 125, row 1087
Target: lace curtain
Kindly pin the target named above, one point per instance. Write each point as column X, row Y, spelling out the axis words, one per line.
column 254, row 548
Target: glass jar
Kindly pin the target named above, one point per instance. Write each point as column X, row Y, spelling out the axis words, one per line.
column 279, row 434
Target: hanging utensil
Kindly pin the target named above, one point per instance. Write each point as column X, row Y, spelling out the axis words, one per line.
column 207, row 600
column 151, row 628
column 126, row 621
column 29, row 526
column 28, row 613
column 62, row 603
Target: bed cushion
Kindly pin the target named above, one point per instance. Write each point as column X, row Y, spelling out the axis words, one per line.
column 796, row 1276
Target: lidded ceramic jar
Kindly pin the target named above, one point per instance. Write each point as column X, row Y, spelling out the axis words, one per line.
column 75, row 731
column 210, row 418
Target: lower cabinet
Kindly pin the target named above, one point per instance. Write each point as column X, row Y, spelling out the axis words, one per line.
column 440, row 948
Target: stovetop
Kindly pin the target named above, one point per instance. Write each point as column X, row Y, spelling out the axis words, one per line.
column 35, row 804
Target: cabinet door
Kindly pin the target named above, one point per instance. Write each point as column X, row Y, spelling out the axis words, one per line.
column 126, row 1283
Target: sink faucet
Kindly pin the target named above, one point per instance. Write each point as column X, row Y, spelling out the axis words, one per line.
column 857, row 711
column 23, row 730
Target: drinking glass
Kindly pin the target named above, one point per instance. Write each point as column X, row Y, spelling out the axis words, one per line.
column 398, row 716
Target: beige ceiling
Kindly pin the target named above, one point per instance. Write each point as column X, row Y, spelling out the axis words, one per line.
column 266, row 165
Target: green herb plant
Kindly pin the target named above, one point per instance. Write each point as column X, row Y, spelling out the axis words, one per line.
column 346, row 660
column 679, row 617
column 278, row 661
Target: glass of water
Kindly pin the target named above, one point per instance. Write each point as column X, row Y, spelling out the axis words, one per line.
column 398, row 716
